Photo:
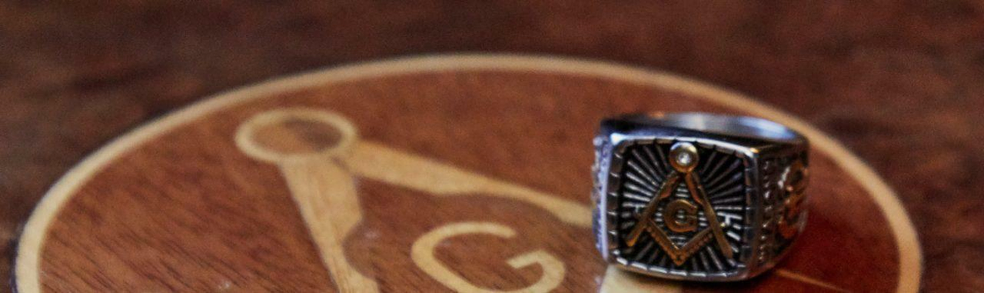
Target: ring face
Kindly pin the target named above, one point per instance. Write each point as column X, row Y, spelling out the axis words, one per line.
column 693, row 205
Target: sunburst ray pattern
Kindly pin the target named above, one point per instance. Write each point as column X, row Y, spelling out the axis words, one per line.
column 723, row 177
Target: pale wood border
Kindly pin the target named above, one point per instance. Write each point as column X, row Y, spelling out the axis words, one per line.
column 27, row 267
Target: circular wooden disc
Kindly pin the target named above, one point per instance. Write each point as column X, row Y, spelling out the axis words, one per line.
column 456, row 173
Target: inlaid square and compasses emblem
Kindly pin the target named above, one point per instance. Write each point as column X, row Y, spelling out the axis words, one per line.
column 681, row 215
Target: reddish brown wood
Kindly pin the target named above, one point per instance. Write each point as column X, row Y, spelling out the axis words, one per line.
column 190, row 211
column 898, row 82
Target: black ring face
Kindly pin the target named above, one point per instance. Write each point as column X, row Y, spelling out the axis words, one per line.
column 677, row 235
column 696, row 207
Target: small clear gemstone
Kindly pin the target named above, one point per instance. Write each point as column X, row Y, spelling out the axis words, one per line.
column 684, row 159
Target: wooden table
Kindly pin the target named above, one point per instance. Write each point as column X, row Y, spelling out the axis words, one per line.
column 898, row 85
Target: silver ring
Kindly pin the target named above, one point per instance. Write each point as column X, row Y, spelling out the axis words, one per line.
column 697, row 196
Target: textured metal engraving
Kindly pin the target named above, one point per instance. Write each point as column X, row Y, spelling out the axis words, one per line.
column 696, row 196
column 712, row 196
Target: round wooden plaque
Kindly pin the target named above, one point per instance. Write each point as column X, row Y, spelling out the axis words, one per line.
column 454, row 173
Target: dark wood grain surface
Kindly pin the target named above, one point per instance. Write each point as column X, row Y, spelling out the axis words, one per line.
column 899, row 83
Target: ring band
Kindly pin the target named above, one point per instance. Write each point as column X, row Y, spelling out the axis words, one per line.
column 697, row 196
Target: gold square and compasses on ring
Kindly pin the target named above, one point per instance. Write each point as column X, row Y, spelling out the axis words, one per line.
column 681, row 215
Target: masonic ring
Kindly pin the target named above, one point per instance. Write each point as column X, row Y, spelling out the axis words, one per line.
column 696, row 196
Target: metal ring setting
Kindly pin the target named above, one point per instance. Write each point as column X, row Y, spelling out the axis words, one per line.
column 696, row 196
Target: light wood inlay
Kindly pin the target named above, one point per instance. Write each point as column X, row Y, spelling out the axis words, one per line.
column 184, row 205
